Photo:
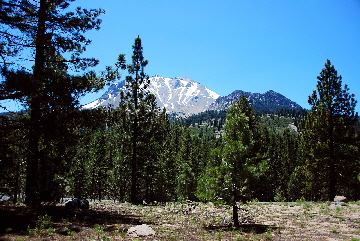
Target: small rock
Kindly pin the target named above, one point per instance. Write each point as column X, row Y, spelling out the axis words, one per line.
column 228, row 220
column 80, row 203
column 340, row 199
column 332, row 206
column 140, row 231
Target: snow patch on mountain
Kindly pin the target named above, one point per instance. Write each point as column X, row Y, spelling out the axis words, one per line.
column 177, row 95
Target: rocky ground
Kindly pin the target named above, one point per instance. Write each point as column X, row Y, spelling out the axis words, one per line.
column 194, row 221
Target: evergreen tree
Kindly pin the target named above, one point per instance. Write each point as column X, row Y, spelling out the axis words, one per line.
column 48, row 91
column 328, row 137
column 12, row 154
column 186, row 179
column 159, row 165
column 139, row 103
column 238, row 151
column 121, row 149
column 281, row 160
column 212, row 184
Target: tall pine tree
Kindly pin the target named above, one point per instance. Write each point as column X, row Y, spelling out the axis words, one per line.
column 45, row 30
column 328, row 138
column 138, row 101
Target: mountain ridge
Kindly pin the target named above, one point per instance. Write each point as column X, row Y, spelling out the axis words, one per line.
column 269, row 101
column 184, row 96
column 178, row 95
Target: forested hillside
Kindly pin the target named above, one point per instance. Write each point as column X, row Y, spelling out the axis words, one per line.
column 267, row 102
column 210, row 124
column 177, row 160
column 136, row 152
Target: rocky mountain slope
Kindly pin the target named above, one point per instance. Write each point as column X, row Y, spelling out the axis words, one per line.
column 269, row 101
column 185, row 96
column 177, row 95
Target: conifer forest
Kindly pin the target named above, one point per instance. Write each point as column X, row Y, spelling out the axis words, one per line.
column 136, row 152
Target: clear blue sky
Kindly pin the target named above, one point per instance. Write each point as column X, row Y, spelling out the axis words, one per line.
column 227, row 45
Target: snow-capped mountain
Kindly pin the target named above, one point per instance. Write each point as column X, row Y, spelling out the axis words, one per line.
column 269, row 101
column 178, row 95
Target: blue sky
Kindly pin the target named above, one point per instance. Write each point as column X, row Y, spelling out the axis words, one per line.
column 250, row 45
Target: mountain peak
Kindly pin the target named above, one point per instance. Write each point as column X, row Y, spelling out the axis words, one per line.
column 177, row 95
column 267, row 102
column 185, row 96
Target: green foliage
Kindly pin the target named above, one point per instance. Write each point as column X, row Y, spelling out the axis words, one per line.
column 238, row 143
column 99, row 231
column 141, row 107
column 48, row 33
column 43, row 225
column 12, row 154
column 44, row 222
column 212, row 185
column 281, row 162
column 329, row 145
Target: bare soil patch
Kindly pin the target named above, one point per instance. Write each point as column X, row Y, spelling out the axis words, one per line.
column 176, row 221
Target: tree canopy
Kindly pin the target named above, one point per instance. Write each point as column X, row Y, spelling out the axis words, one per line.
column 54, row 41
column 329, row 139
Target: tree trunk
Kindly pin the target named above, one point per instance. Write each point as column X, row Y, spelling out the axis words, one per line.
column 134, row 161
column 236, row 215
column 17, row 176
column 32, row 166
column 235, row 199
column 332, row 174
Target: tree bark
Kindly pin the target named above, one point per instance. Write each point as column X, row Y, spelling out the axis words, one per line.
column 33, row 160
column 236, row 215
column 332, row 173
column 134, row 161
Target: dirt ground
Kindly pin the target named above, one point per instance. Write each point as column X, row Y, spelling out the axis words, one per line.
column 189, row 221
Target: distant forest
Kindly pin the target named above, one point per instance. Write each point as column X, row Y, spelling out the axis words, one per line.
column 136, row 152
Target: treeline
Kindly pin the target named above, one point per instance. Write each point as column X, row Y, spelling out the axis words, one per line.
column 98, row 166
column 172, row 163
column 216, row 118
column 210, row 123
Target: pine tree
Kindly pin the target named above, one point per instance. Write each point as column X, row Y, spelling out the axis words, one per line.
column 280, row 164
column 50, row 93
column 328, row 138
column 238, row 150
column 186, row 182
column 12, row 153
column 138, row 102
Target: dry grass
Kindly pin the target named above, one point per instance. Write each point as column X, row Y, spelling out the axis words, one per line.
column 110, row 221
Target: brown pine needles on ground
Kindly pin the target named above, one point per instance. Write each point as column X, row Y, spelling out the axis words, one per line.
column 177, row 221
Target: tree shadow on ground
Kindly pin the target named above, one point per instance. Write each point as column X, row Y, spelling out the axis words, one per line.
column 246, row 228
column 19, row 218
